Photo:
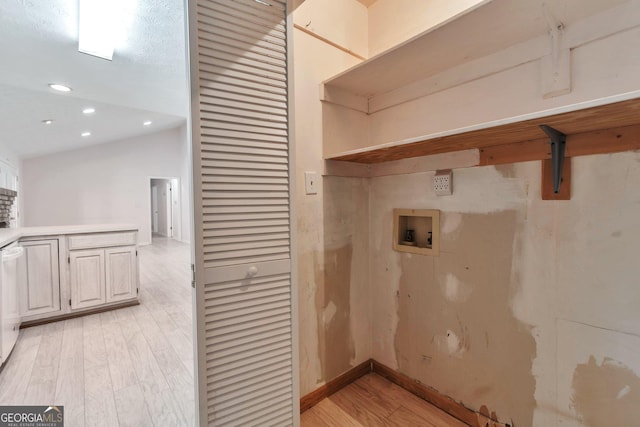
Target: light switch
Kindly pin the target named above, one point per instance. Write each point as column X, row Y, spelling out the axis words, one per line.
column 311, row 182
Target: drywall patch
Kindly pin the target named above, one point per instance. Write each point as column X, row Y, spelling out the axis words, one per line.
column 606, row 394
column 474, row 350
column 455, row 290
column 336, row 346
column 329, row 312
column 450, row 222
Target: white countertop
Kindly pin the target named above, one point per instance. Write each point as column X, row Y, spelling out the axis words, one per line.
column 10, row 235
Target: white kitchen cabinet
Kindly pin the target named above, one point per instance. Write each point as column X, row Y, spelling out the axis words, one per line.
column 87, row 277
column 103, row 268
column 121, row 269
column 73, row 270
column 40, row 292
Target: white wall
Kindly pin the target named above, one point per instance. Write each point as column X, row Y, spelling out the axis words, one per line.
column 185, row 185
column 393, row 21
column 107, row 183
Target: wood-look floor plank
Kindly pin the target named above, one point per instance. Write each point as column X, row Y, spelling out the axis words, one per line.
column 14, row 378
column 404, row 417
column 42, row 384
column 99, row 400
column 397, row 394
column 147, row 370
column 132, row 408
column 374, row 401
column 327, row 413
column 360, row 409
column 123, row 373
column 70, row 383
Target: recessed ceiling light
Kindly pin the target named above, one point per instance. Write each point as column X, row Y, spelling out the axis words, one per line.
column 47, row 122
column 147, row 123
column 89, row 110
column 59, row 88
column 85, row 134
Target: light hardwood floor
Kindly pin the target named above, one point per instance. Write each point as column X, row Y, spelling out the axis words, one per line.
column 375, row 401
column 127, row 367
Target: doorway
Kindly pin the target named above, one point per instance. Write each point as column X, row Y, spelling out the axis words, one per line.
column 165, row 207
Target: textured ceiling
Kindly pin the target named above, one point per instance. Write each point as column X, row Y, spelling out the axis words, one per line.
column 145, row 80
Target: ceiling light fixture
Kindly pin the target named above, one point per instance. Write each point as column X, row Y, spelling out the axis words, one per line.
column 59, row 87
column 47, row 122
column 147, row 123
column 85, row 134
column 262, row 2
column 89, row 110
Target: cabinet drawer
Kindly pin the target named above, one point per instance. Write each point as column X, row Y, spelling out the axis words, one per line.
column 101, row 240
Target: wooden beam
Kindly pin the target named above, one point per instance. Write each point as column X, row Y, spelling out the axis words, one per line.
column 327, row 41
column 547, row 181
column 612, row 140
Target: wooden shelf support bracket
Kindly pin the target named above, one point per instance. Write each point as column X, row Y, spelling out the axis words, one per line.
column 558, row 144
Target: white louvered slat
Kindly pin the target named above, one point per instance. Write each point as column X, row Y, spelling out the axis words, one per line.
column 244, row 293
column 220, row 44
column 234, row 388
column 267, row 370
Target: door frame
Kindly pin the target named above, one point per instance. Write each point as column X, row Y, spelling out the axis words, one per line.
column 176, row 214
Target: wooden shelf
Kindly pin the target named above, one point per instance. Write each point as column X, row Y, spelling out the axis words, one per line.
column 488, row 28
column 496, row 34
column 601, row 126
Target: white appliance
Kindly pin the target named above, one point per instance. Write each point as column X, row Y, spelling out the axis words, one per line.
column 9, row 308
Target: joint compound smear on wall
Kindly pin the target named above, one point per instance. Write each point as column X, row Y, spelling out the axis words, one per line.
column 333, row 308
column 606, row 393
column 456, row 331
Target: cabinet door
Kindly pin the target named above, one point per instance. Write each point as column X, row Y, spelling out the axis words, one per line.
column 41, row 291
column 121, row 267
column 87, row 278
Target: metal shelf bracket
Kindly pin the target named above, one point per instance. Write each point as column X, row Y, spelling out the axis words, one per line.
column 558, row 143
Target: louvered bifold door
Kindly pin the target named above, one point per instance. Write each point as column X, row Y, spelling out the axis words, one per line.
column 240, row 141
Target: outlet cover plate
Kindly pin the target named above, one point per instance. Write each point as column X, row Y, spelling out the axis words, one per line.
column 443, row 182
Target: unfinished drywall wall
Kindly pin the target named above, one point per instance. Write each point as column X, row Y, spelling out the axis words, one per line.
column 332, row 225
column 530, row 306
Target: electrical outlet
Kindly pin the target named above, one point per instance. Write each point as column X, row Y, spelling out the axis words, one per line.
column 311, row 182
column 443, row 182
